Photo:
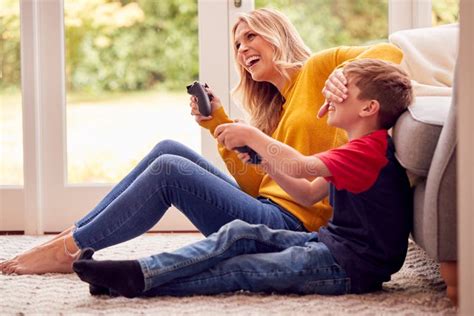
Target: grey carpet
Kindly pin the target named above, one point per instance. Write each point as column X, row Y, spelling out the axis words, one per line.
column 416, row 289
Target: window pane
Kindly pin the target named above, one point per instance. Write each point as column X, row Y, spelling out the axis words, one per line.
column 11, row 133
column 445, row 11
column 328, row 23
column 127, row 65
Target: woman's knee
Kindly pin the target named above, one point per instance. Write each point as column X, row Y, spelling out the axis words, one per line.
column 167, row 146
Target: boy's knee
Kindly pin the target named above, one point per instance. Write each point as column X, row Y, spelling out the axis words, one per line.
column 237, row 227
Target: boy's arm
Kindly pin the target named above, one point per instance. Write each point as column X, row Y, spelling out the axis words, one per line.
column 277, row 155
column 303, row 191
column 280, row 156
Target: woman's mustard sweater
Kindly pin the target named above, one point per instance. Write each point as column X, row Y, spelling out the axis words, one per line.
column 300, row 128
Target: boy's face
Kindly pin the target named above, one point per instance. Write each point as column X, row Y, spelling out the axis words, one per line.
column 346, row 113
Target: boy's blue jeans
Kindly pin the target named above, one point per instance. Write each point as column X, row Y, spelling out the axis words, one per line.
column 172, row 174
column 241, row 256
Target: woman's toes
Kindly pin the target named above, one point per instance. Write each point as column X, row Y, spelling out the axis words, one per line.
column 10, row 269
column 12, row 266
column 3, row 264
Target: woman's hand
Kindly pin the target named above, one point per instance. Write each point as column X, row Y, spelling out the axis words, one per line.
column 244, row 157
column 232, row 135
column 334, row 90
column 215, row 104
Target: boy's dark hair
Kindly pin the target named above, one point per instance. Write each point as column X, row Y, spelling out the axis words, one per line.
column 385, row 82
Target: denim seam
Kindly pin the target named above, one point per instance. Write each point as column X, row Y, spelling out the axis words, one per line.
column 145, row 270
column 263, row 273
column 202, row 258
column 99, row 212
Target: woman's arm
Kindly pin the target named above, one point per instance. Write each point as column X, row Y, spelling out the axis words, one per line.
column 247, row 176
column 331, row 61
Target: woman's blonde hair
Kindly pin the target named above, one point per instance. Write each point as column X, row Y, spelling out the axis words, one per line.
column 262, row 100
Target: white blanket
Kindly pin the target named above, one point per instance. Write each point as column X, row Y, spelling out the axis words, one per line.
column 429, row 57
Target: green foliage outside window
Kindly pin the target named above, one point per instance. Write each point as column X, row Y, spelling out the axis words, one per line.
column 130, row 45
column 328, row 23
column 119, row 45
column 445, row 11
column 9, row 44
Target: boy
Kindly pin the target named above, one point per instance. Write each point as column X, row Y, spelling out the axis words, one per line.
column 364, row 243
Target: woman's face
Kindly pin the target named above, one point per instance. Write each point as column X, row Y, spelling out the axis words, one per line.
column 255, row 54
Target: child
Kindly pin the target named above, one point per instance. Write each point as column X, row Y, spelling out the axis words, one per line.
column 364, row 243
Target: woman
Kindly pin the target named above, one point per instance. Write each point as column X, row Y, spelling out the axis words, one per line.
column 280, row 86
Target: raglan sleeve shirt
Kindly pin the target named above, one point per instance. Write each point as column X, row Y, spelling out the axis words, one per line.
column 355, row 166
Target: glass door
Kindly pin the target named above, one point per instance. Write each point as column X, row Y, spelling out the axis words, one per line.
column 11, row 127
column 127, row 64
column 102, row 83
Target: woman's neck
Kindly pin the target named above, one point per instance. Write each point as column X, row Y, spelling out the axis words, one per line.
column 280, row 81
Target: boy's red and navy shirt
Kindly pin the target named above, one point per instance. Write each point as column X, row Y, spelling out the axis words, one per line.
column 372, row 202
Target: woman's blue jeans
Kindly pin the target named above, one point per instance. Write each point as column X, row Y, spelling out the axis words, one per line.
column 173, row 174
column 241, row 256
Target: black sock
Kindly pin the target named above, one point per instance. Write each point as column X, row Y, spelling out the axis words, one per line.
column 94, row 289
column 124, row 277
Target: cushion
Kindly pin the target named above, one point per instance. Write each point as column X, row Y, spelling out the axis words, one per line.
column 429, row 55
column 416, row 132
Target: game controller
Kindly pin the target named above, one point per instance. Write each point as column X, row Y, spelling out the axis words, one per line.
column 254, row 157
column 198, row 90
column 204, row 99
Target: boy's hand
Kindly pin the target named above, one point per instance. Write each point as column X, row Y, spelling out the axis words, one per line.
column 215, row 104
column 232, row 135
column 334, row 90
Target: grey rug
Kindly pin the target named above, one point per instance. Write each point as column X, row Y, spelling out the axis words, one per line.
column 416, row 289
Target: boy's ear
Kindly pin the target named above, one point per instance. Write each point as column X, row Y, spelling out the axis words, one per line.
column 372, row 107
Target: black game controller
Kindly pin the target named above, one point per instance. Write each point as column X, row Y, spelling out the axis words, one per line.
column 254, row 157
column 204, row 99
column 204, row 103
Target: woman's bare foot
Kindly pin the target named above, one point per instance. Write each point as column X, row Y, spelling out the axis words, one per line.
column 35, row 249
column 56, row 256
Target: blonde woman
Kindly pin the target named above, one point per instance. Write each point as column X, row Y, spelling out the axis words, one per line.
column 280, row 87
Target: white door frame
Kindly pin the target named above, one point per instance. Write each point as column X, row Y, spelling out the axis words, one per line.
column 408, row 14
